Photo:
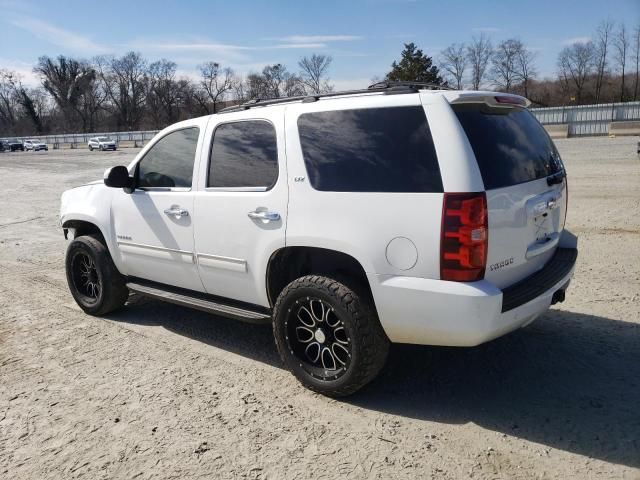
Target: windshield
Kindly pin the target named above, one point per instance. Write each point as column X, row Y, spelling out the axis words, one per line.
column 104, row 139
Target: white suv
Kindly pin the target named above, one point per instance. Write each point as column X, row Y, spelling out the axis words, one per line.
column 101, row 143
column 349, row 220
column 35, row 145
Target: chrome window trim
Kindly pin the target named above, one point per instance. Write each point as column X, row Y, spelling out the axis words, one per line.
column 163, row 189
column 236, row 189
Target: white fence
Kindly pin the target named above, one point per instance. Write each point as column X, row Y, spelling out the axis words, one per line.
column 82, row 138
column 588, row 119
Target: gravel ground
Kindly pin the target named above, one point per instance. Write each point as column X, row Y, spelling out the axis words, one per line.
column 159, row 391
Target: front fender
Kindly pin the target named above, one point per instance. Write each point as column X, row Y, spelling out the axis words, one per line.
column 92, row 204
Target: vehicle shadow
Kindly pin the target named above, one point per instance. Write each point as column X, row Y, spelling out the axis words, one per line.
column 569, row 381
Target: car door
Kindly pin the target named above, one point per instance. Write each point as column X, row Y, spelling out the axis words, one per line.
column 241, row 204
column 154, row 224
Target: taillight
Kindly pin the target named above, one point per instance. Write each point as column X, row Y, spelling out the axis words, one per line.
column 566, row 203
column 463, row 245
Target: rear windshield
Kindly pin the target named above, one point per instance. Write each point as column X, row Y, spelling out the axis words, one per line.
column 510, row 145
column 370, row 150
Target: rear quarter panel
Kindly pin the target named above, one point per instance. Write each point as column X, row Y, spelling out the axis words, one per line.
column 360, row 224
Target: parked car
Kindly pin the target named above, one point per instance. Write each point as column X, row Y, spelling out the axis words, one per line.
column 35, row 145
column 13, row 145
column 396, row 214
column 101, row 143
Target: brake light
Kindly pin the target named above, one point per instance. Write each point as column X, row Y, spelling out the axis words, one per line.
column 463, row 245
column 511, row 100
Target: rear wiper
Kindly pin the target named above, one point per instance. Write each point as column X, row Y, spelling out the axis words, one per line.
column 556, row 178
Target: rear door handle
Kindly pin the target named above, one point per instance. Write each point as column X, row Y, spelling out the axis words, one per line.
column 266, row 216
column 176, row 211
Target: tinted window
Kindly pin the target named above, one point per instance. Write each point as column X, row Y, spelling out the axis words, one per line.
column 510, row 145
column 244, row 154
column 169, row 163
column 370, row 150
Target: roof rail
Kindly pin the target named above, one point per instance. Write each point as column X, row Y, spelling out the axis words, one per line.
column 384, row 87
column 409, row 84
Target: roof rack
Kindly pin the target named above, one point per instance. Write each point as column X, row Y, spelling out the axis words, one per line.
column 384, row 87
column 409, row 84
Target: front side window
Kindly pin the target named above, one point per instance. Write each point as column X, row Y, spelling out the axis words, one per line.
column 169, row 162
column 370, row 150
column 244, row 155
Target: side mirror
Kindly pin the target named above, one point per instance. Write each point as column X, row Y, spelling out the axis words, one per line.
column 118, row 177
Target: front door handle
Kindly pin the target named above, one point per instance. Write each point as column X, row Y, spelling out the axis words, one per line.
column 266, row 216
column 177, row 211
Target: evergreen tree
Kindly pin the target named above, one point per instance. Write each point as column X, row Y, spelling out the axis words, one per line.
column 414, row 66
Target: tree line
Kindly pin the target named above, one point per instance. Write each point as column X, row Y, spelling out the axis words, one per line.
column 126, row 93
column 129, row 93
column 602, row 69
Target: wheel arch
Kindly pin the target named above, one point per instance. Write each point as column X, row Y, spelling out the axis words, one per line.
column 291, row 262
column 82, row 227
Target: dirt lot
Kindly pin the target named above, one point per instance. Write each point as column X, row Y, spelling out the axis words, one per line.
column 159, row 391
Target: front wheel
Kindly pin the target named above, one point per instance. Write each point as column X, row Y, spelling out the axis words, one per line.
column 90, row 148
column 95, row 283
column 328, row 335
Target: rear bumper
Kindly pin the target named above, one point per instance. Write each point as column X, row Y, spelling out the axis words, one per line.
column 435, row 312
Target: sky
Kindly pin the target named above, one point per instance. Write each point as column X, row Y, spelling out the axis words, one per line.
column 362, row 36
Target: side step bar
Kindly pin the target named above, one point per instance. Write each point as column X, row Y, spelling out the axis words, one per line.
column 206, row 305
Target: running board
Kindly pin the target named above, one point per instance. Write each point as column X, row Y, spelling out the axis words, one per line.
column 210, row 306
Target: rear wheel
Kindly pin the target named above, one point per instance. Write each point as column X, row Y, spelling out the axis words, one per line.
column 329, row 336
column 95, row 283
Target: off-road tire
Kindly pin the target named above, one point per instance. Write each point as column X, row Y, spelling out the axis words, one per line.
column 369, row 344
column 113, row 290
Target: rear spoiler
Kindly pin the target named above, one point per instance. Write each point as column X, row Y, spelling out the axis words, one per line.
column 497, row 100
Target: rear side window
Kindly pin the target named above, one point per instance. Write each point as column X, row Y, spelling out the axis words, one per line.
column 370, row 150
column 511, row 147
column 169, row 162
column 244, row 154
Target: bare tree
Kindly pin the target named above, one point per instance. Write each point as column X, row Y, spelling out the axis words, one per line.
column 574, row 66
column 525, row 67
column 454, row 61
column 125, row 82
column 313, row 72
column 69, row 82
column 256, row 86
column 278, row 82
column 216, row 83
column 621, row 46
column 636, row 57
column 240, row 89
column 26, row 99
column 164, row 92
column 479, row 53
column 603, row 38
column 8, row 102
column 504, row 63
column 293, row 86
